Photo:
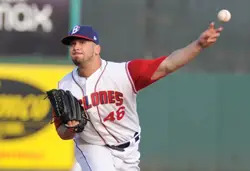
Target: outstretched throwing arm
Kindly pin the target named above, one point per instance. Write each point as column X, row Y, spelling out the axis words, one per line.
column 182, row 56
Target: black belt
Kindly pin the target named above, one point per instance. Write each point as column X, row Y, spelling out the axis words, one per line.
column 124, row 145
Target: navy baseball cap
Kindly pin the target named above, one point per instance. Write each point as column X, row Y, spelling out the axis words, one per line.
column 84, row 32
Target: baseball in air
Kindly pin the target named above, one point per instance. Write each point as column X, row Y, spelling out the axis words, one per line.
column 224, row 15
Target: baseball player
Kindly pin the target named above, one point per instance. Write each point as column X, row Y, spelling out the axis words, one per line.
column 107, row 92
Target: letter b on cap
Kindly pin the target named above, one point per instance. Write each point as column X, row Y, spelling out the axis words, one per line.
column 75, row 29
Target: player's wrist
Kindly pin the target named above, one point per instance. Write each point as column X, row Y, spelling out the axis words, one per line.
column 199, row 44
column 70, row 129
column 65, row 133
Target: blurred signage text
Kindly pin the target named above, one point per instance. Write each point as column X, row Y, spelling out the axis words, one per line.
column 33, row 27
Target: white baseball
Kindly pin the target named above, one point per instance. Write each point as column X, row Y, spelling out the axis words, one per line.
column 224, row 15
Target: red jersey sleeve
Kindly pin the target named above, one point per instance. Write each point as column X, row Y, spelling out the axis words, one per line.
column 141, row 71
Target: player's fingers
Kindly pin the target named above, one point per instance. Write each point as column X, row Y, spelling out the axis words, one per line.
column 211, row 25
column 215, row 35
column 74, row 123
column 69, row 123
column 205, row 35
column 209, row 32
column 219, row 29
column 212, row 40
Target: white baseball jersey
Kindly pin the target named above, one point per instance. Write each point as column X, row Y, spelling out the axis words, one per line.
column 109, row 97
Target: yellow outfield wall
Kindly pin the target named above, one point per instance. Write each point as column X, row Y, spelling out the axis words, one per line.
column 27, row 138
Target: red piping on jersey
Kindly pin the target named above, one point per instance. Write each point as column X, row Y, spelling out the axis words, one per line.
column 77, row 83
column 98, row 107
column 130, row 79
column 77, row 146
column 89, row 117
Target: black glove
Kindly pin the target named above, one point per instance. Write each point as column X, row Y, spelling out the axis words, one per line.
column 67, row 108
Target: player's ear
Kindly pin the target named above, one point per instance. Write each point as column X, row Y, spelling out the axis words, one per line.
column 97, row 49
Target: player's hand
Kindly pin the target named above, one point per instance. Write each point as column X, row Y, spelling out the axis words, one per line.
column 209, row 36
column 72, row 123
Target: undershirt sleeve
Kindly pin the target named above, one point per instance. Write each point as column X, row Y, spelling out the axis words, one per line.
column 141, row 71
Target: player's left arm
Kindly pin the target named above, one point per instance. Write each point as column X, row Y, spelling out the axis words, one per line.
column 180, row 57
column 64, row 132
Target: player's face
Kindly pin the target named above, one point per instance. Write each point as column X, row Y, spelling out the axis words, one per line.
column 82, row 51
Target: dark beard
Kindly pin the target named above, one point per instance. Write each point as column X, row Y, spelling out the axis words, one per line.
column 77, row 63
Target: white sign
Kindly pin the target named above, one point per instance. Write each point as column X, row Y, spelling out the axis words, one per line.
column 23, row 17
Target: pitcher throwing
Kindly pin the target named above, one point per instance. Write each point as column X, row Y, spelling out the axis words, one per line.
column 107, row 92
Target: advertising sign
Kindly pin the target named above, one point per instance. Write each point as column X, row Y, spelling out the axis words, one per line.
column 33, row 27
column 27, row 138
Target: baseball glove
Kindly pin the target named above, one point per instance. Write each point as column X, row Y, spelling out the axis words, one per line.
column 67, row 108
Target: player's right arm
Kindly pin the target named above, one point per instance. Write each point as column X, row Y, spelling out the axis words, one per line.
column 180, row 57
column 145, row 72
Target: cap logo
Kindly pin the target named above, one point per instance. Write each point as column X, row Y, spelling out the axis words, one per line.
column 95, row 38
column 75, row 29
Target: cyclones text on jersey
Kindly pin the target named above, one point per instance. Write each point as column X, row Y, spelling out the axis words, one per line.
column 102, row 97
